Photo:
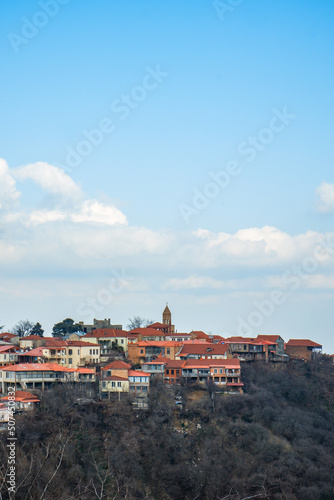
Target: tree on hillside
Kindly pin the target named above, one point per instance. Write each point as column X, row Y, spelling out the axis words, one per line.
column 37, row 330
column 23, row 328
column 1, row 327
column 66, row 327
column 138, row 322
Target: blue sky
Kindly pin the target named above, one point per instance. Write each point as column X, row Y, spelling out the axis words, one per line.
column 224, row 74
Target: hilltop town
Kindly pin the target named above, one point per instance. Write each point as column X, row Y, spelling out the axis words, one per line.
column 110, row 362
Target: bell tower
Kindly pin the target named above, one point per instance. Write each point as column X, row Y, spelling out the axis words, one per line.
column 167, row 319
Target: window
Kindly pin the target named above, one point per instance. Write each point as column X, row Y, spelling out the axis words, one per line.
column 70, row 352
column 172, row 372
column 103, row 384
column 177, row 372
column 70, row 361
column 141, row 351
column 119, row 384
column 220, row 370
column 78, row 351
column 113, row 384
column 167, row 372
column 215, row 370
column 168, row 351
column 122, row 341
column 90, row 351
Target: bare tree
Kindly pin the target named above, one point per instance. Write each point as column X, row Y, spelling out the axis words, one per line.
column 138, row 322
column 23, row 328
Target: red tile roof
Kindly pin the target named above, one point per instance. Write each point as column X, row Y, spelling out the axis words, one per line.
column 105, row 333
column 38, row 351
column 268, row 337
column 177, row 363
column 31, row 337
column 54, row 342
column 7, row 335
column 80, row 343
column 302, row 343
column 158, row 343
column 204, row 349
column 117, row 365
column 157, row 325
column 5, row 348
column 148, row 332
column 199, row 334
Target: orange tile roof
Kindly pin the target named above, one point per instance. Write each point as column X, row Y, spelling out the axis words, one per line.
column 200, row 363
column 24, row 397
column 34, row 367
column 84, row 370
column 302, row 343
column 199, row 334
column 135, row 373
column 158, row 343
column 116, row 377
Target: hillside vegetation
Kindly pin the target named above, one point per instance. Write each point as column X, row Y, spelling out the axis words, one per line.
column 276, row 441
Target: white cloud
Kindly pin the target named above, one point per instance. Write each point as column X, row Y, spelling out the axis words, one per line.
column 8, row 192
column 325, row 193
column 52, row 179
column 89, row 212
column 94, row 211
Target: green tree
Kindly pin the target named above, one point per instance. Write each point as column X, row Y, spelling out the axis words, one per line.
column 37, row 330
column 65, row 327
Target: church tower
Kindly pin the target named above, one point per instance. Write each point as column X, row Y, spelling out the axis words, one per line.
column 167, row 319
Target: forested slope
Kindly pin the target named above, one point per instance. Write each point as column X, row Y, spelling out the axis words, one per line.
column 276, row 441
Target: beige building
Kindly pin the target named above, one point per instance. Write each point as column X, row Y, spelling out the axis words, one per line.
column 31, row 341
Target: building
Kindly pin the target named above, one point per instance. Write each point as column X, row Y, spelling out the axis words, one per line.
column 8, row 354
column 173, row 371
column 139, row 382
column 225, row 373
column 148, row 333
column 31, row 341
column 302, row 349
column 277, row 343
column 109, row 340
column 41, row 376
column 118, row 377
column 203, row 350
column 98, row 324
column 145, row 350
column 167, row 320
column 155, row 368
column 10, row 338
column 24, row 401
